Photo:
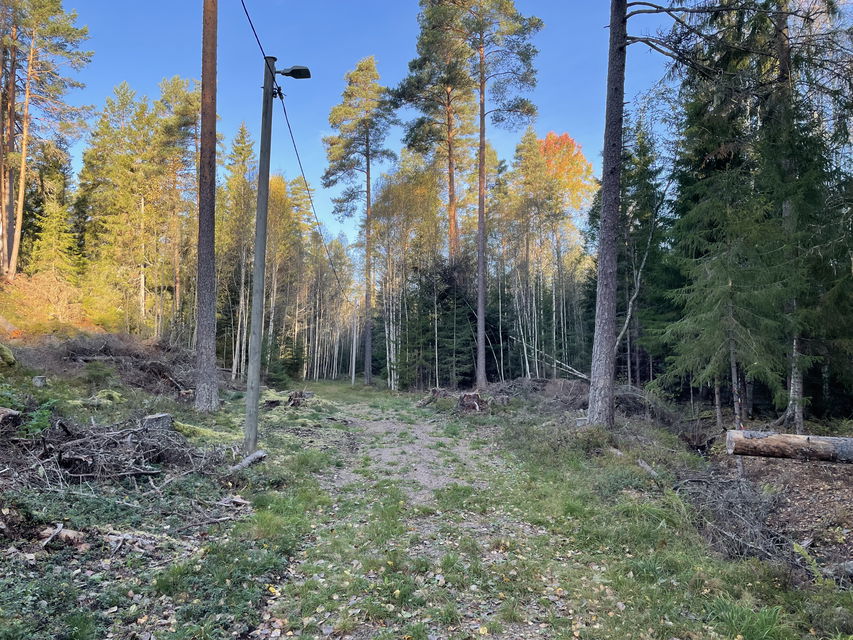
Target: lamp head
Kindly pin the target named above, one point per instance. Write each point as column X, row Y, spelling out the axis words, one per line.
column 297, row 72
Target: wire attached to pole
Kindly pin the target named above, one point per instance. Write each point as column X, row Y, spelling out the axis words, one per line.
column 277, row 91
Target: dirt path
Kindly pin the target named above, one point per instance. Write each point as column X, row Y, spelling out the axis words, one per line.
column 417, row 543
column 422, row 457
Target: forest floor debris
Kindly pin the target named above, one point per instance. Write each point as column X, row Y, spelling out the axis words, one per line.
column 153, row 366
column 64, row 453
column 375, row 518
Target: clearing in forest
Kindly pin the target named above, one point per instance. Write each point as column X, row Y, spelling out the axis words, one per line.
column 375, row 518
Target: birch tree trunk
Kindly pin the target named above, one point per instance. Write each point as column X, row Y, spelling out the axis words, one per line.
column 368, row 278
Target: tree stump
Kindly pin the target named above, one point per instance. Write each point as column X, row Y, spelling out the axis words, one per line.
column 472, row 402
column 158, row 421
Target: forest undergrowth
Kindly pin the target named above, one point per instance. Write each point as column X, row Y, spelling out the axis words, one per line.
column 375, row 518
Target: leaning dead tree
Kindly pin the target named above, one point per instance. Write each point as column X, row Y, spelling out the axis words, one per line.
column 768, row 444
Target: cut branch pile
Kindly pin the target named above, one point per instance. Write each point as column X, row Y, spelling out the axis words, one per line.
column 519, row 387
column 154, row 367
column 465, row 401
column 472, row 402
column 63, row 454
column 733, row 517
column 434, row 394
column 634, row 400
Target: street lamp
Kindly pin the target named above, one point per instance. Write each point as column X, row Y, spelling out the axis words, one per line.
column 253, row 374
column 297, row 73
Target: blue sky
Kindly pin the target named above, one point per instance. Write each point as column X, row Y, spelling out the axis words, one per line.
column 142, row 43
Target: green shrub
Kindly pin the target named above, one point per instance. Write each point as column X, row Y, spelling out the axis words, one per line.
column 38, row 420
column 11, row 398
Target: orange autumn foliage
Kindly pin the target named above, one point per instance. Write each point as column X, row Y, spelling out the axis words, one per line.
column 566, row 163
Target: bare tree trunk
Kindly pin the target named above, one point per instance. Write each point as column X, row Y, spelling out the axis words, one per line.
column 718, row 406
column 453, row 226
column 8, row 144
column 238, row 339
column 500, row 315
column 603, row 355
column 736, row 399
column 142, row 262
column 368, row 280
column 271, row 321
column 6, row 15
column 796, row 391
column 518, row 314
column 481, row 229
column 354, row 346
column 435, row 330
column 22, row 170
column 784, row 107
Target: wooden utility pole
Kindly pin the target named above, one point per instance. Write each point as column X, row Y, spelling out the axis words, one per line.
column 207, row 375
column 253, row 373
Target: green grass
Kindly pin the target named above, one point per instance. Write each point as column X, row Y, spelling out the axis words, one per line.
column 652, row 559
column 458, row 497
column 561, row 526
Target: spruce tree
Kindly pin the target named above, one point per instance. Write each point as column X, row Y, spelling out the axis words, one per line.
column 54, row 250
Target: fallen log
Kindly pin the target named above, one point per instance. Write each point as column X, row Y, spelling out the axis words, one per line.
column 768, row 444
column 250, row 459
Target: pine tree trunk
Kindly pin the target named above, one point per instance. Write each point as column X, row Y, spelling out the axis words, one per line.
column 386, row 320
column 3, row 126
column 8, row 144
column 22, row 170
column 481, row 228
column 238, row 338
column 453, row 226
column 603, row 355
column 748, row 399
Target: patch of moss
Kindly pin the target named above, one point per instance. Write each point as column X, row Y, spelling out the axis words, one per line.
column 6, row 356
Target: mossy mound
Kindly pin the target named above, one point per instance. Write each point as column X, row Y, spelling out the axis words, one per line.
column 7, row 358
